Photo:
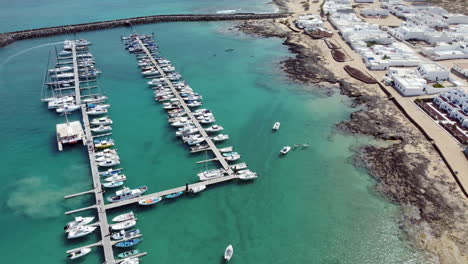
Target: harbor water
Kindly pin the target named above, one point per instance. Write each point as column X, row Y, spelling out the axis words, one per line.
column 311, row 206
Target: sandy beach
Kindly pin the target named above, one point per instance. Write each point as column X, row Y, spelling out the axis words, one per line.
column 409, row 170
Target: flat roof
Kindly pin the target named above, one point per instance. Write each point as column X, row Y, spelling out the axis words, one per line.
column 69, row 129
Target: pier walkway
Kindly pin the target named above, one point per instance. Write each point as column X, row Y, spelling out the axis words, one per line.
column 202, row 131
column 166, row 192
column 105, row 242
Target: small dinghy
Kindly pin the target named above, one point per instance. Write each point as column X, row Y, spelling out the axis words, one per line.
column 127, row 254
column 113, row 184
column 125, row 234
column 228, row 253
column 79, row 253
column 150, row 201
column 124, row 225
column 276, row 126
column 174, row 195
column 197, row 189
column 285, row 150
column 123, row 217
column 246, row 175
column 129, row 243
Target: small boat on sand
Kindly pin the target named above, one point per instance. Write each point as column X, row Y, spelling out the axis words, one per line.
column 228, row 253
column 79, row 253
column 150, row 201
column 276, row 126
column 129, row 243
column 285, row 150
column 124, row 217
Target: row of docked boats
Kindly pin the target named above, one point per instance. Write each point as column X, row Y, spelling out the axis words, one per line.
column 183, row 104
column 126, row 236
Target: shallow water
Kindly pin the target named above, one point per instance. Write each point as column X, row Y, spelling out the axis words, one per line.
column 310, row 206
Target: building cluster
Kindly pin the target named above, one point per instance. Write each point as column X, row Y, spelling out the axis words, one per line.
column 309, row 22
column 455, row 103
column 427, row 78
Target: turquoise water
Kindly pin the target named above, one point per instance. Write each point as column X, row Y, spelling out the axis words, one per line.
column 28, row 14
column 311, row 206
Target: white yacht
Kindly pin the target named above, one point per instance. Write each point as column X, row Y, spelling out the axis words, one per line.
column 197, row 189
column 94, row 99
column 109, row 163
column 124, row 217
column 61, row 69
column 210, row 174
column 116, row 178
column 80, row 231
column 79, row 221
column 214, row 128
column 67, row 108
column 101, row 129
column 124, row 225
column 220, row 137
column 127, row 193
column 79, row 253
column 96, row 111
column 101, row 121
column 246, row 175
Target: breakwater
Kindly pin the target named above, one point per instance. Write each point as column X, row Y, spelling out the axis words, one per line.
column 10, row 37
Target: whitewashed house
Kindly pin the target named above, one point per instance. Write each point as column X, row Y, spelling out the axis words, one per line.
column 407, row 81
column 460, row 116
column 433, row 72
column 461, row 68
column 374, row 12
column 445, row 51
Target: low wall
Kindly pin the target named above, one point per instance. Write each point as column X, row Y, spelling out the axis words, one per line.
column 10, row 37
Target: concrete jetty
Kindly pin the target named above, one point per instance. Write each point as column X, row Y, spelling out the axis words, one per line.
column 10, row 37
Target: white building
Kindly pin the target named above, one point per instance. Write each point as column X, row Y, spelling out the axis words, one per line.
column 341, row 6
column 461, row 68
column 411, row 31
column 309, row 22
column 433, row 72
column 455, row 103
column 397, row 54
column 445, row 51
column 374, row 12
column 407, row 81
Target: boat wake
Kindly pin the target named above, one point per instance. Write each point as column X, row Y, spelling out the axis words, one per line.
column 26, row 50
column 228, row 11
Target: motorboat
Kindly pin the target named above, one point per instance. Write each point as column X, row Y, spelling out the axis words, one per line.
column 94, row 99
column 130, row 261
column 80, row 231
column 113, row 184
column 124, row 224
column 197, row 189
column 109, row 163
column 105, row 152
column 116, row 177
column 207, row 120
column 65, row 53
column 276, row 126
column 163, row 98
column 226, row 149
column 231, row 156
column 211, row 174
column 67, row 108
column 190, row 131
column 125, row 234
column 194, row 103
column 96, row 111
column 79, row 221
column 238, row 166
column 150, row 72
column 61, row 69
column 228, row 253
column 104, row 143
column 127, row 193
column 173, row 195
column 101, row 121
column 220, row 137
column 124, row 217
column 107, row 156
column 150, row 201
column 109, row 172
column 194, row 141
column 199, row 147
column 65, row 75
column 53, row 104
column 61, row 83
column 129, row 243
column 285, row 150
column 101, row 129
column 214, row 128
column 168, row 69
column 127, row 254
column 247, row 175
column 79, row 253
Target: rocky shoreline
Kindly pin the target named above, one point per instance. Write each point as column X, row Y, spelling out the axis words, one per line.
column 408, row 171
